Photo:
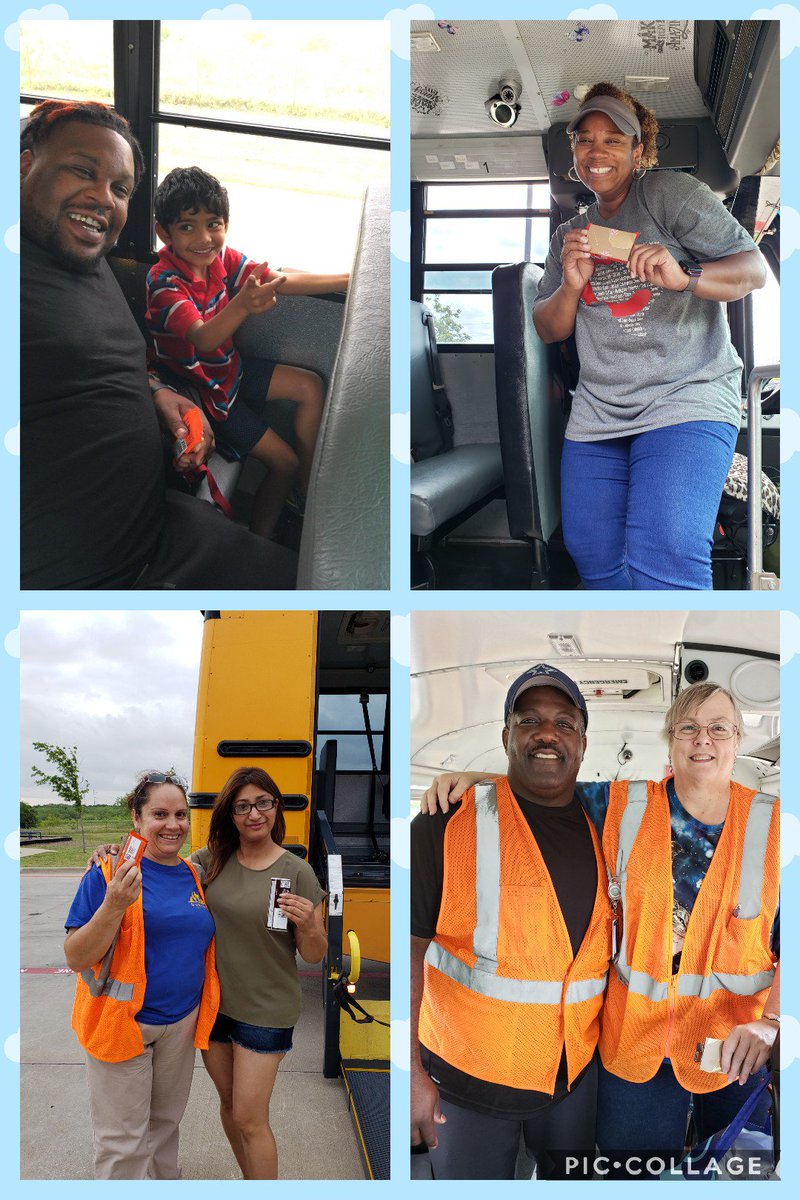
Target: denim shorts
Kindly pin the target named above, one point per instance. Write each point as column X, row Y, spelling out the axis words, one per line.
column 260, row 1038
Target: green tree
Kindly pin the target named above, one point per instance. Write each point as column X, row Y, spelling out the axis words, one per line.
column 27, row 816
column 447, row 321
column 66, row 779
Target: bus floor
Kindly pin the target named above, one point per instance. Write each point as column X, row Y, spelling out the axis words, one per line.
column 56, row 1135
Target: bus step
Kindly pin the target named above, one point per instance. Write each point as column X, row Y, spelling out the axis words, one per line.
column 367, row 1086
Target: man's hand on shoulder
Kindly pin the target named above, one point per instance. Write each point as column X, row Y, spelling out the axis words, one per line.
column 170, row 407
column 446, row 790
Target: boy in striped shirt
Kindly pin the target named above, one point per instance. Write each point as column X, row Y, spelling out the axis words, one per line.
column 198, row 294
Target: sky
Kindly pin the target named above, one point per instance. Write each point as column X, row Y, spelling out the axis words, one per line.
column 121, row 686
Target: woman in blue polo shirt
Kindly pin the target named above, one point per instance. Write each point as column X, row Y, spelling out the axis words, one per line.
column 142, row 1013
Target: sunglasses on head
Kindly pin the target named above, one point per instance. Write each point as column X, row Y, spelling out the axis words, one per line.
column 163, row 777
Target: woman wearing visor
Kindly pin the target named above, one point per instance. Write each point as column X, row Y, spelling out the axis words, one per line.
column 693, row 870
column 657, row 407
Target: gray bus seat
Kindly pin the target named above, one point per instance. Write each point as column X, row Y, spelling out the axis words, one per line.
column 452, row 483
column 445, row 483
column 530, row 416
column 282, row 335
column 345, row 539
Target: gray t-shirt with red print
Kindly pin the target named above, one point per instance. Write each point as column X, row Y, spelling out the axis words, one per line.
column 651, row 357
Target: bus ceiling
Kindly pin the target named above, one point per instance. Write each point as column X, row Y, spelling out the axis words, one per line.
column 713, row 85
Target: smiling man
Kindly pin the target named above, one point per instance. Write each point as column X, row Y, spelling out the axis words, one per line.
column 510, row 944
column 95, row 508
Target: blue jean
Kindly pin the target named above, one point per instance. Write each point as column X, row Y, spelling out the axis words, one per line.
column 639, row 512
column 638, row 1121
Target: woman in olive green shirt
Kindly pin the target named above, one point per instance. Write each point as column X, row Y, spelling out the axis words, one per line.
column 260, row 989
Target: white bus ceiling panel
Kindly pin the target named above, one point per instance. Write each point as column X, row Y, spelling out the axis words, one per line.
column 470, row 158
column 438, row 640
column 623, row 742
column 755, row 682
column 463, row 663
column 449, row 87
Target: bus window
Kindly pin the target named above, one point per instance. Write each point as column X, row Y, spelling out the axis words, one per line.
column 467, row 233
column 293, row 119
column 493, row 398
column 75, row 61
column 283, row 82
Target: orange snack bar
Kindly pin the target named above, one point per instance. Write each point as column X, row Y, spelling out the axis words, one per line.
column 194, row 436
column 132, row 849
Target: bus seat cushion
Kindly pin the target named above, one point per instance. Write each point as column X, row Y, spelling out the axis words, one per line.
column 444, row 486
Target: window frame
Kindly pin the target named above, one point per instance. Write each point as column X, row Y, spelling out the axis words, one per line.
column 137, row 73
column 421, row 213
column 383, row 733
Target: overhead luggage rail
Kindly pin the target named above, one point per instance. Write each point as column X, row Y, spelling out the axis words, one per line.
column 758, row 579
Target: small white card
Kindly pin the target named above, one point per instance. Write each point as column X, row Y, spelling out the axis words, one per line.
column 276, row 918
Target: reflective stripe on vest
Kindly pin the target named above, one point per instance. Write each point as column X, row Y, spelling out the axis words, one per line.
column 487, row 880
column 483, row 977
column 517, row 991
column 629, row 826
column 111, row 987
column 751, row 877
column 100, row 984
column 740, row 985
column 751, row 882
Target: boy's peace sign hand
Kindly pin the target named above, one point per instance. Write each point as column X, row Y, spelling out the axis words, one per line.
column 258, row 297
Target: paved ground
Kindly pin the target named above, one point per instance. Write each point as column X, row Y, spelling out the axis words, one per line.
column 309, row 1114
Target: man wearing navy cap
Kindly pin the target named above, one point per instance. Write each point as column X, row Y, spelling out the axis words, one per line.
column 485, row 947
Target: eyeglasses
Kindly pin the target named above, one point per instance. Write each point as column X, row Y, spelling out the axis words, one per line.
column 718, row 731
column 161, row 777
column 242, row 809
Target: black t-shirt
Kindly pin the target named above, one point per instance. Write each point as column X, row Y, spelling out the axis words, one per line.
column 565, row 842
column 92, row 473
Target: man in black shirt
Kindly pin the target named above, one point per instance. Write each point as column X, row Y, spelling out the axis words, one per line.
column 95, row 510
column 471, row 1124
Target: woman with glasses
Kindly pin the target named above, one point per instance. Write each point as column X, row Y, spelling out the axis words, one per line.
column 267, row 905
column 141, row 941
column 692, row 864
column 657, row 407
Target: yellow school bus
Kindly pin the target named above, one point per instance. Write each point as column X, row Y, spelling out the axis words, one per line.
column 305, row 696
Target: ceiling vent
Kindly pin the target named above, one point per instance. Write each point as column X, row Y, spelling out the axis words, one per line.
column 648, row 83
column 424, row 43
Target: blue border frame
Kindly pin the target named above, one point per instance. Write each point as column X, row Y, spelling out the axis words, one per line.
column 399, row 598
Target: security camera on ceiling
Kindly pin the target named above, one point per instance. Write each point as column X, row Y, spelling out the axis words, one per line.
column 503, row 108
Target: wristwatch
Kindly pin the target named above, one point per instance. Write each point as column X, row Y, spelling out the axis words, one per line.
column 771, row 1017
column 693, row 270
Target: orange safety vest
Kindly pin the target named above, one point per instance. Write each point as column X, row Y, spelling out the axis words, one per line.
column 503, row 993
column 726, row 966
column 109, row 995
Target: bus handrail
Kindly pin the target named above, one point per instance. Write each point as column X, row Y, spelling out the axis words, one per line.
column 757, row 578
